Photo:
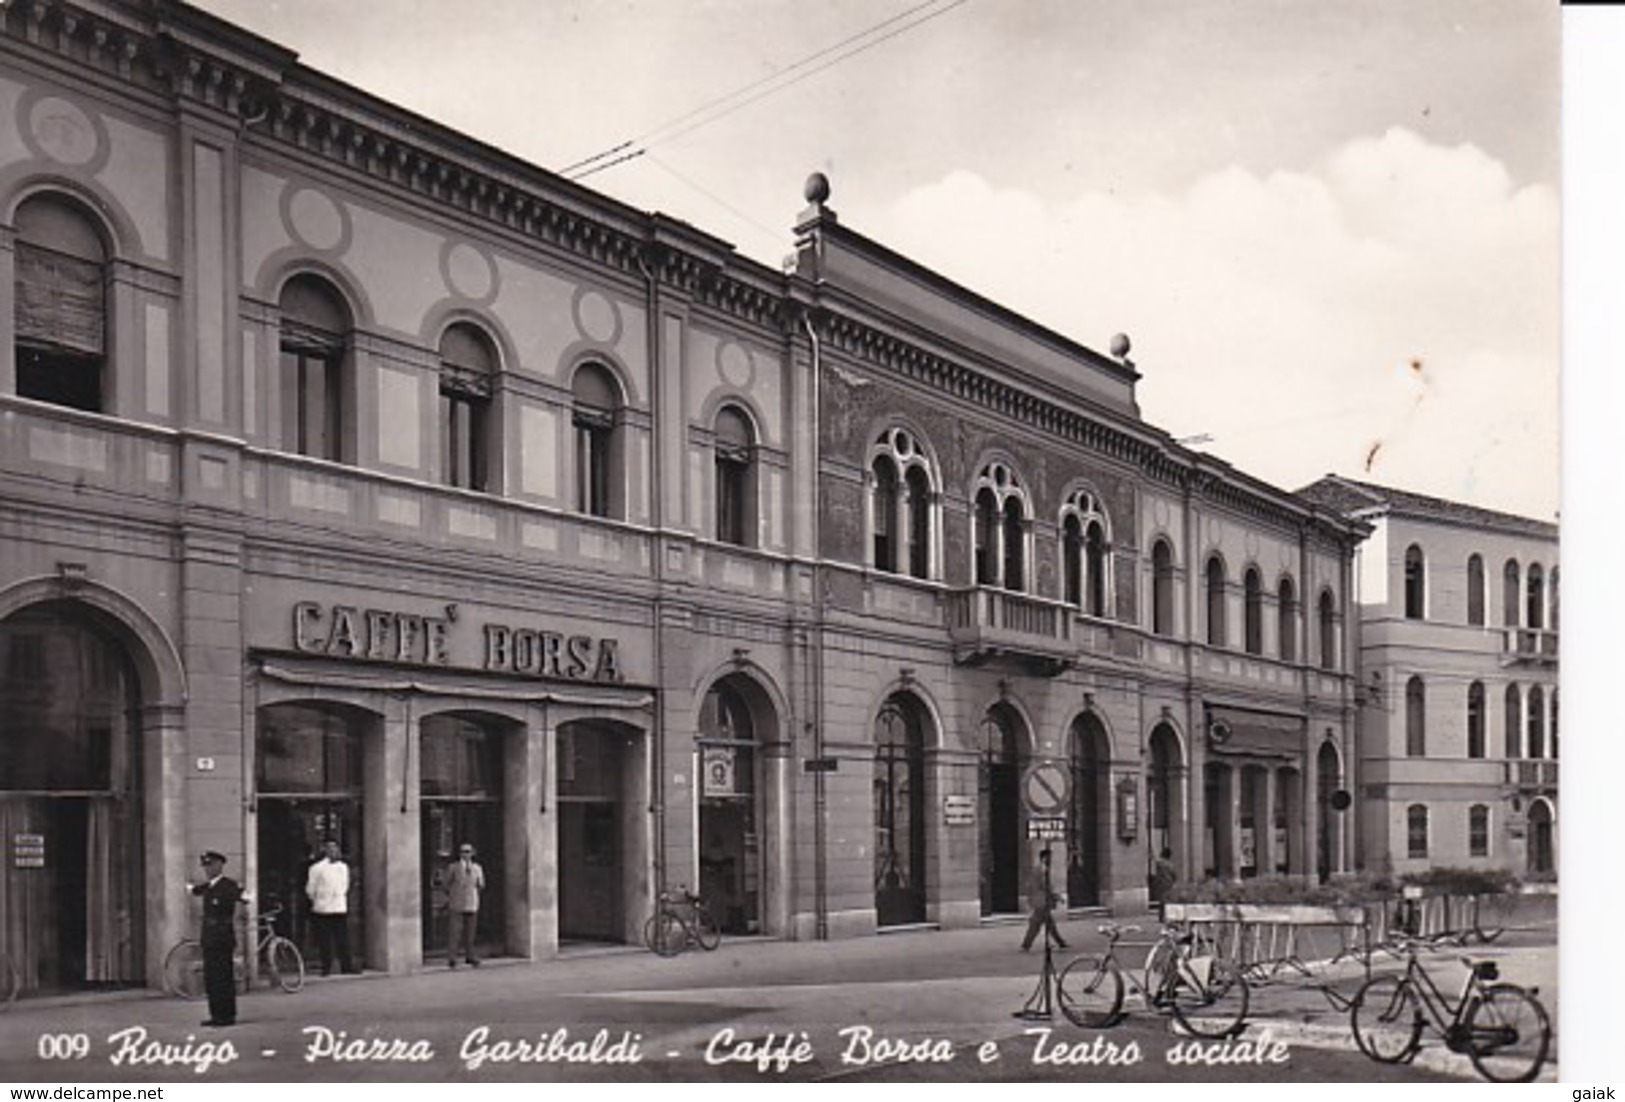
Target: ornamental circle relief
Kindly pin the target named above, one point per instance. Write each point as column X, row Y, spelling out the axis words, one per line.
column 596, row 317
column 469, row 272
column 734, row 366
column 315, row 220
column 62, row 132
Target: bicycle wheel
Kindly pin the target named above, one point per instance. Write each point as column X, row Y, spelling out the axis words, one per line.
column 183, row 970
column 1090, row 993
column 1508, row 1034
column 706, row 931
column 1386, row 1020
column 664, row 934
column 287, row 964
column 1160, row 963
column 1210, row 997
column 1491, row 916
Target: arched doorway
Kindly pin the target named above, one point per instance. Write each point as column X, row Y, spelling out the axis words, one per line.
column 599, row 810
column 1328, row 781
column 1542, row 855
column 999, row 810
column 899, row 795
column 72, row 913
column 462, row 780
column 731, row 815
column 308, row 788
column 1088, row 816
column 1165, row 813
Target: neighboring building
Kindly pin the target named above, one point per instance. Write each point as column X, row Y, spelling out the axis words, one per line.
column 357, row 479
column 1458, row 635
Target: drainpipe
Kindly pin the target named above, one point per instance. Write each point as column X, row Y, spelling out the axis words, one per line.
column 657, row 730
column 820, row 798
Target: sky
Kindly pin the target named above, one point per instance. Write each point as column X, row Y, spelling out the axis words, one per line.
column 1331, row 230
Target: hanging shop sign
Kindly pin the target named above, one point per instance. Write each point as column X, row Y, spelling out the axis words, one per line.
column 959, row 810
column 384, row 635
column 28, row 851
column 717, row 770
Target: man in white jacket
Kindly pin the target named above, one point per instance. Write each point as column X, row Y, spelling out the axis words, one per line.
column 328, row 886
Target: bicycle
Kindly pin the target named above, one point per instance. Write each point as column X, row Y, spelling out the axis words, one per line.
column 680, row 921
column 280, row 961
column 1205, row 992
column 1501, row 1027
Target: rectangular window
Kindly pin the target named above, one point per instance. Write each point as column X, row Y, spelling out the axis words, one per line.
column 1478, row 831
column 311, row 397
column 593, row 432
column 732, row 476
column 1416, row 832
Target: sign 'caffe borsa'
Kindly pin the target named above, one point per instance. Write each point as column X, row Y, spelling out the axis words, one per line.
column 383, row 635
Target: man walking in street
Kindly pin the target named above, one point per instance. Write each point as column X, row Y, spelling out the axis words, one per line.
column 219, row 938
column 465, row 880
column 328, row 886
column 1044, row 901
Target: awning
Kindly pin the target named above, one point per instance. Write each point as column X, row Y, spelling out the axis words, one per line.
column 1255, row 734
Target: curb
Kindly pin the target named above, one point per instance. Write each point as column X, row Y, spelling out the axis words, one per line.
column 1433, row 1057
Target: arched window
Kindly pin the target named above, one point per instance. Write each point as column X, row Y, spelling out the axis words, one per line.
column 1253, row 611
column 315, row 331
column 1328, row 631
column 1416, row 731
column 1514, row 722
column 468, row 364
column 1415, row 582
column 1475, row 590
column 1001, row 523
column 1478, row 831
column 595, row 415
column 1536, row 613
column 1536, row 724
column 1416, row 831
column 1085, row 549
column 1475, row 720
column 1162, row 588
column 1509, row 596
column 1215, row 602
column 1286, row 613
column 61, row 303
column 736, row 477
column 903, row 503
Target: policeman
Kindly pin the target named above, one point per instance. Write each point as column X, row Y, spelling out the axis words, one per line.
column 221, row 895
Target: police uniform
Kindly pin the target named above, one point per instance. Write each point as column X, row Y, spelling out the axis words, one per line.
column 219, row 937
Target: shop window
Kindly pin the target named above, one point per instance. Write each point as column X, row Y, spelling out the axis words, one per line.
column 1215, row 602
column 468, row 364
column 1475, row 590
column 736, row 478
column 315, row 329
column 1162, row 588
column 1510, row 594
column 1535, row 615
column 1415, row 584
column 595, row 416
column 1478, row 831
column 61, row 304
column 1416, row 831
column 1328, row 631
column 902, row 505
column 1252, row 611
column 1416, row 733
column 1286, row 612
column 1475, row 720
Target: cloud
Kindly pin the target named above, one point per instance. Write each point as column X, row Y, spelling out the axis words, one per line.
column 1399, row 301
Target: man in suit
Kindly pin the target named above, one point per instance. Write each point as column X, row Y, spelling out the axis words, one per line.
column 1043, row 914
column 465, row 880
column 221, row 895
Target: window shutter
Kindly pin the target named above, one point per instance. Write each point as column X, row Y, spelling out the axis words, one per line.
column 59, row 301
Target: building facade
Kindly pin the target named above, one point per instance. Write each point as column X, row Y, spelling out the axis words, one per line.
column 360, row 481
column 1458, row 638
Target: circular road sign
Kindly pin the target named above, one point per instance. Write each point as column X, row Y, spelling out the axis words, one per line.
column 1045, row 788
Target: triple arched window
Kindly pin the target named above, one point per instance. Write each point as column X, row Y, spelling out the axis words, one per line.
column 1086, row 554
column 1001, row 528
column 61, row 262
column 903, row 506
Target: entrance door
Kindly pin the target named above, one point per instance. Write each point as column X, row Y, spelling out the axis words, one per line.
column 899, row 795
column 591, row 836
column 1540, row 838
column 71, row 912
column 730, row 847
column 1000, row 818
column 1089, row 782
column 462, row 802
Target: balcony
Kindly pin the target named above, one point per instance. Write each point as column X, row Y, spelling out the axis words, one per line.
column 1532, row 776
column 998, row 626
column 1528, row 646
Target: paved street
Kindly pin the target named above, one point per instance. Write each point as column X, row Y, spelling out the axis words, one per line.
column 905, row 1007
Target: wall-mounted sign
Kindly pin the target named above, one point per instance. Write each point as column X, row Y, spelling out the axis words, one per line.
column 1128, row 810
column 717, row 769
column 1045, row 787
column 819, row 765
column 28, row 851
column 959, row 810
column 1047, row 828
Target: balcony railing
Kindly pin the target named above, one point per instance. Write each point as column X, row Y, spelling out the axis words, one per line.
column 1528, row 645
column 992, row 624
column 1532, row 775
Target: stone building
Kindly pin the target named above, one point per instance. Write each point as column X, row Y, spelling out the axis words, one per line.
column 358, row 480
column 1458, row 640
